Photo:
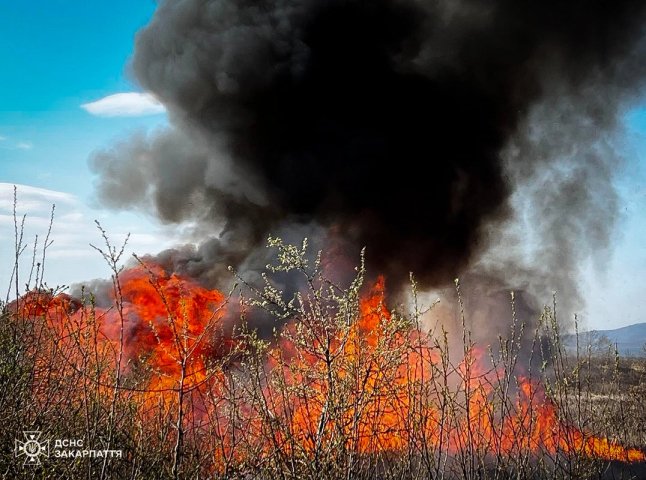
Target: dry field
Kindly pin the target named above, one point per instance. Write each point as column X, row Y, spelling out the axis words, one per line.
column 168, row 381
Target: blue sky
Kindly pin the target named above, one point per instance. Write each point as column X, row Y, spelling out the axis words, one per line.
column 58, row 55
column 616, row 293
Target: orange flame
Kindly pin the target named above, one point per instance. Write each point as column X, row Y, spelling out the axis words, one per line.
column 167, row 324
column 390, row 403
column 371, row 381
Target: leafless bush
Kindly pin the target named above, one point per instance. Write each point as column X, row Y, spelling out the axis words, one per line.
column 345, row 387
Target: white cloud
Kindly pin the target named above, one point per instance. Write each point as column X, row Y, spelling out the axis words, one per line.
column 129, row 104
column 70, row 258
column 8, row 144
column 32, row 199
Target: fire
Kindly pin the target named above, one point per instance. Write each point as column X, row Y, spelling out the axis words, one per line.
column 368, row 383
column 374, row 407
column 391, row 403
column 167, row 327
column 172, row 321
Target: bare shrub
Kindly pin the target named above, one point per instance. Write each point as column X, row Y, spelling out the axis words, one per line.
column 344, row 388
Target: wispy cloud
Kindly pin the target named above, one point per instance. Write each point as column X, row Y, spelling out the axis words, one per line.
column 129, row 104
column 10, row 144
column 69, row 258
column 32, row 199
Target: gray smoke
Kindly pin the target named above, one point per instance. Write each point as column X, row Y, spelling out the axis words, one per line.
column 327, row 114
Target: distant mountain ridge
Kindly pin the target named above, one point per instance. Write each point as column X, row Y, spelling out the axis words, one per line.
column 629, row 340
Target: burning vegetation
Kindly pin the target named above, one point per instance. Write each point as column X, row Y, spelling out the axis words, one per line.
column 321, row 119
column 344, row 386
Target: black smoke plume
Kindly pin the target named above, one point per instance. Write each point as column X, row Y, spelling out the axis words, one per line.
column 430, row 132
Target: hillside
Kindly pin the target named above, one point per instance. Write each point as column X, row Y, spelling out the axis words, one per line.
column 630, row 340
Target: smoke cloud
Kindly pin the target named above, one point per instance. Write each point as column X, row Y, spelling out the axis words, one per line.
column 448, row 137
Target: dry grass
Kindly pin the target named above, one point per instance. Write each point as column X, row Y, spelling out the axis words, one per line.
column 345, row 388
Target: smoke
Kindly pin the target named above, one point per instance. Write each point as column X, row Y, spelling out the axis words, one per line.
column 448, row 137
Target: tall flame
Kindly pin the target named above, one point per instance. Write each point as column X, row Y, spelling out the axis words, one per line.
column 370, row 380
column 392, row 402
